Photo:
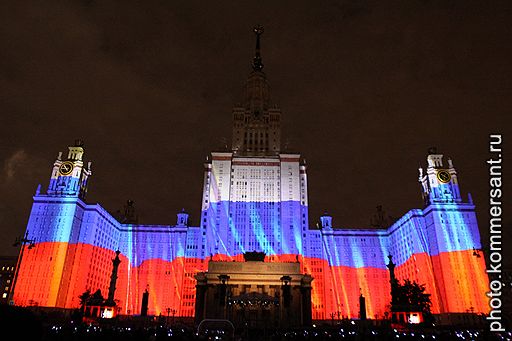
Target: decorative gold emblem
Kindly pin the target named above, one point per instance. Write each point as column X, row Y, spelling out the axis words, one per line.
column 443, row 176
column 66, row 168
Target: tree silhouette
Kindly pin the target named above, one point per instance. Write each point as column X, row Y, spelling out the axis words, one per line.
column 411, row 297
column 84, row 298
column 95, row 299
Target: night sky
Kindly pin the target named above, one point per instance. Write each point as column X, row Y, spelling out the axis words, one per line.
column 365, row 88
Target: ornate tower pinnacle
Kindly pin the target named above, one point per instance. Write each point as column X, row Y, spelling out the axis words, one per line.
column 70, row 175
column 256, row 121
column 439, row 181
column 257, row 64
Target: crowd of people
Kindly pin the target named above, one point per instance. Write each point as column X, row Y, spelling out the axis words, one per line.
column 29, row 325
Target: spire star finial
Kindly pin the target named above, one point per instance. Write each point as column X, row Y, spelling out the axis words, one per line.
column 258, row 30
column 257, row 64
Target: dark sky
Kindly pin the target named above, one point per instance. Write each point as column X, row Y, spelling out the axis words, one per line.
column 366, row 87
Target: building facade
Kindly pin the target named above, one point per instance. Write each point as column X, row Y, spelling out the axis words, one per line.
column 7, row 266
column 254, row 199
column 254, row 293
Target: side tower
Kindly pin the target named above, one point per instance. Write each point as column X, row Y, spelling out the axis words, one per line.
column 255, row 196
column 453, row 239
column 69, row 176
column 44, row 273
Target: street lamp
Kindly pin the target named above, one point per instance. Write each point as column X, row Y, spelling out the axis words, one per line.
column 168, row 310
column 173, row 311
column 20, row 241
column 332, row 315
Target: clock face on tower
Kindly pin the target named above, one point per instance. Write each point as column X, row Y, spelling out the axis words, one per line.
column 66, row 168
column 443, row 176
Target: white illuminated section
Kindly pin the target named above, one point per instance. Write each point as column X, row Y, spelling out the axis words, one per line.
column 414, row 318
column 255, row 180
column 107, row 313
column 220, row 177
column 290, row 180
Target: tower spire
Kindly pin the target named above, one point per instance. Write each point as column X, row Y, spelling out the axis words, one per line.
column 256, row 121
column 257, row 64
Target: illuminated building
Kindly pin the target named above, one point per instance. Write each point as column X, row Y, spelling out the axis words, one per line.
column 254, row 199
column 7, row 265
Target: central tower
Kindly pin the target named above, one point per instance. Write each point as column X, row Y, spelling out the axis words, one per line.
column 255, row 197
column 256, row 122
